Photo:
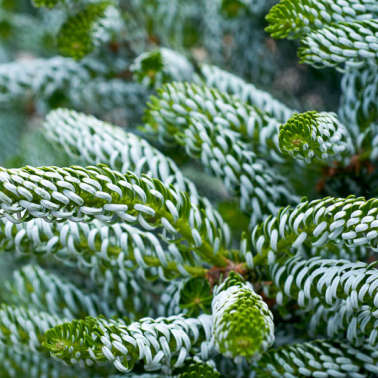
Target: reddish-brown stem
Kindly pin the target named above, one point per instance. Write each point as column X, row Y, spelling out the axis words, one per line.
column 216, row 274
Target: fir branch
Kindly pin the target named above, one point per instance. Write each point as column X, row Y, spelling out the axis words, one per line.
column 248, row 54
column 90, row 27
column 177, row 103
column 352, row 44
column 247, row 93
column 327, row 279
column 351, row 222
column 359, row 103
column 157, row 67
column 163, row 342
column 260, row 188
column 242, row 323
column 20, row 327
column 342, row 321
column 172, row 23
column 338, row 250
column 296, row 18
column 43, row 77
column 347, row 286
column 40, row 76
column 112, row 247
column 318, row 359
column 102, row 254
column 130, row 295
column 195, row 368
column 94, row 141
column 169, row 302
column 81, row 194
column 34, row 287
column 313, row 135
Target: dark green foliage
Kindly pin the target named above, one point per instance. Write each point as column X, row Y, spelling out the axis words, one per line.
column 75, row 38
column 195, row 297
column 197, row 369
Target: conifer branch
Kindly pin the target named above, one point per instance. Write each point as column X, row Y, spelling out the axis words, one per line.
column 111, row 271
column 82, row 194
column 130, row 293
column 242, row 323
column 20, row 327
column 342, row 321
column 94, row 141
column 314, row 282
column 159, row 343
column 359, row 103
column 195, row 368
column 338, row 221
column 40, row 77
column 112, row 247
column 83, row 32
column 313, row 135
column 177, row 103
column 247, row 93
column 296, row 18
column 318, row 359
column 86, row 247
column 260, row 188
column 157, row 67
column 351, row 44
column 34, row 287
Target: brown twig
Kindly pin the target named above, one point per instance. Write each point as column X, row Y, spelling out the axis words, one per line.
column 216, row 274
